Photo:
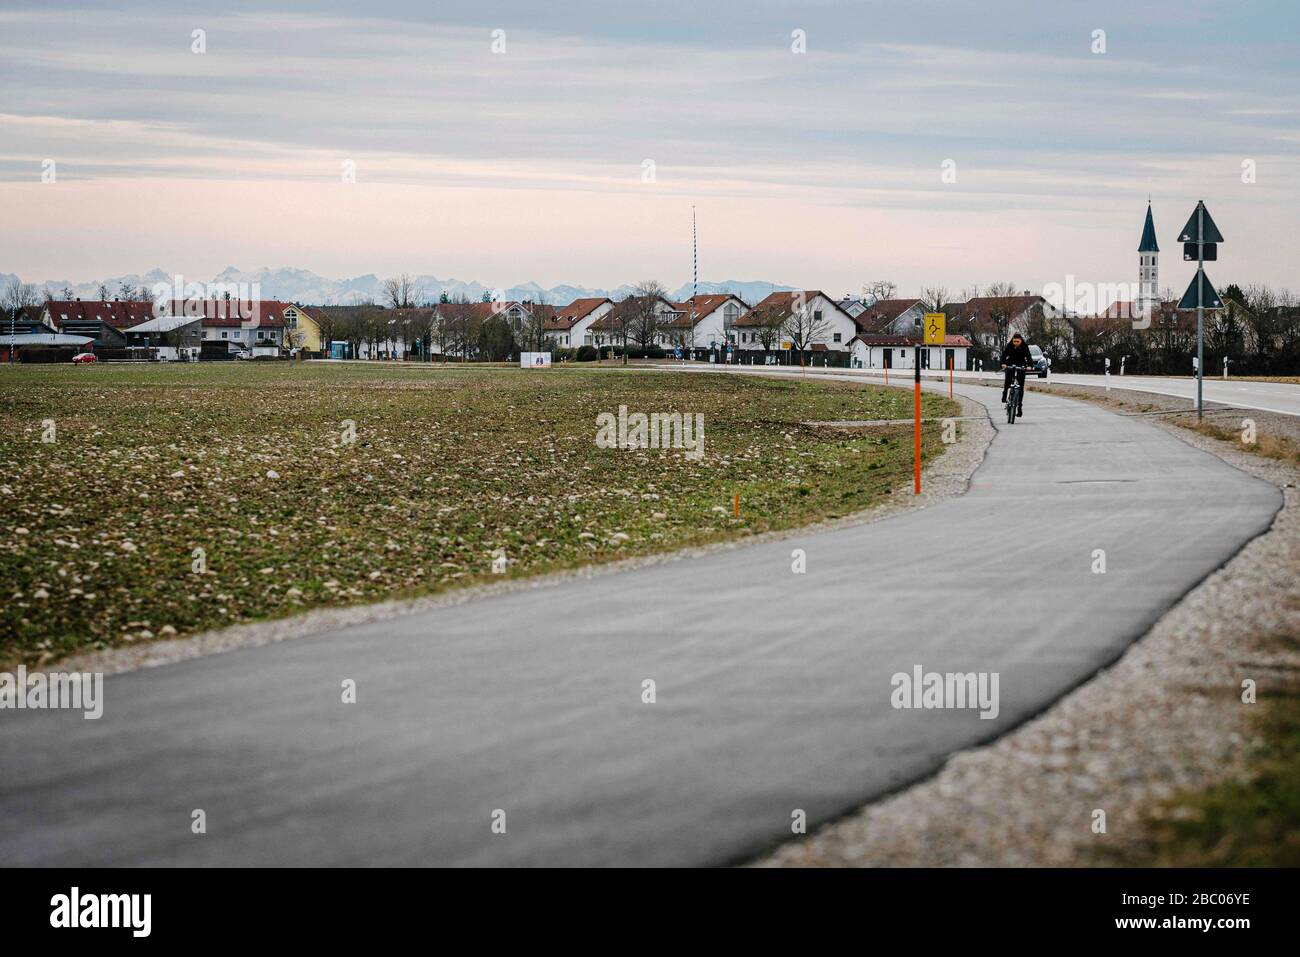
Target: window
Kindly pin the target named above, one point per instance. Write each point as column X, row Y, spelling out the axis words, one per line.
column 225, row 334
column 836, row 337
column 817, row 315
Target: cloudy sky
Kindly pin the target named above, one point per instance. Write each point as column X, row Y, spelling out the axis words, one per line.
column 818, row 169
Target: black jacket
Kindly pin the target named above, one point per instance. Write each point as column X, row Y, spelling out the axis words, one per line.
column 1011, row 356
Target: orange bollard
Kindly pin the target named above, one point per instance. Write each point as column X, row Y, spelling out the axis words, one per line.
column 916, row 457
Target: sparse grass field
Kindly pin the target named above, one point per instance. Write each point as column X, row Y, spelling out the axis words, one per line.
column 99, row 529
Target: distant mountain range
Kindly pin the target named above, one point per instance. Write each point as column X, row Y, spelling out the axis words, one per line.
column 306, row 287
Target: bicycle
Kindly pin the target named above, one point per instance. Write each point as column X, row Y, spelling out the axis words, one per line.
column 1013, row 393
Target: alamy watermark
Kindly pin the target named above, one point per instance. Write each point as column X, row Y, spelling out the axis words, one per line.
column 77, row 690
column 241, row 300
column 658, row 430
column 951, row 690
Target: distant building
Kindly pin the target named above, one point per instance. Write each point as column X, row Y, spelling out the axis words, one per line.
column 886, row 351
column 103, row 321
column 570, row 325
column 899, row 317
column 168, row 338
column 704, row 322
column 774, row 317
column 302, row 329
column 1148, row 266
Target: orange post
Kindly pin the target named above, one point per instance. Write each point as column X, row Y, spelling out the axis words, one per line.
column 736, row 505
column 916, row 457
column 950, row 378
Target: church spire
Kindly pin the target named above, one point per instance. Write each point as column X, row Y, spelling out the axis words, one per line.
column 1148, row 243
column 1148, row 296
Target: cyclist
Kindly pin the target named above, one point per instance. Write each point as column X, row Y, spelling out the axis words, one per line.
column 1016, row 353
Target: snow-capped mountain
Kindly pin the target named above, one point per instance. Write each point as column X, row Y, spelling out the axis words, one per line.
column 302, row 285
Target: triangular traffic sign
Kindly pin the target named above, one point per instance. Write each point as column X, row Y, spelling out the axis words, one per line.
column 1209, row 298
column 1212, row 234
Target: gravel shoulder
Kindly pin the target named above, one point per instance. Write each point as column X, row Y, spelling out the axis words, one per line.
column 1166, row 719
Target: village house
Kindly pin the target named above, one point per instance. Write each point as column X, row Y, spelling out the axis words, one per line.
column 570, row 325
column 888, row 351
column 167, row 338
column 824, row 325
column 103, row 321
column 255, row 326
column 992, row 320
column 302, row 329
column 605, row 331
column 706, row 321
column 898, row 317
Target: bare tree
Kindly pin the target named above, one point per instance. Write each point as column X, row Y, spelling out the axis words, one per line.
column 767, row 322
column 804, row 325
column 645, row 315
column 17, row 297
column 618, row 321
column 1003, row 300
column 402, row 291
column 934, row 298
column 532, row 330
column 875, row 290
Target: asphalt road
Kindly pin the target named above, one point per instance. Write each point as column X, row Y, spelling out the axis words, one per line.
column 773, row 689
column 1277, row 397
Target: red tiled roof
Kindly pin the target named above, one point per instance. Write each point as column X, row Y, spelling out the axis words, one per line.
column 233, row 313
column 779, row 305
column 983, row 307
column 1129, row 310
column 116, row 314
column 566, row 317
column 882, row 312
column 610, row 319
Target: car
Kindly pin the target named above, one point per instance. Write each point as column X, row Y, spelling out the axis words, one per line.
column 85, row 357
column 1041, row 361
column 243, row 354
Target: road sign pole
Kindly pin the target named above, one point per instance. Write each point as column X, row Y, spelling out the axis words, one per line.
column 1200, row 305
column 916, row 429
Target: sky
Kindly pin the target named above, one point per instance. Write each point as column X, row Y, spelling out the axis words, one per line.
column 924, row 142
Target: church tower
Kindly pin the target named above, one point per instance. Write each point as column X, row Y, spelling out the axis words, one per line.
column 1148, row 267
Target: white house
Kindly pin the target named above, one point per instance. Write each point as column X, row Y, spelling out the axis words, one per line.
column 705, row 322
column 604, row 331
column 896, row 317
column 898, row 352
column 570, row 326
column 255, row 325
column 832, row 327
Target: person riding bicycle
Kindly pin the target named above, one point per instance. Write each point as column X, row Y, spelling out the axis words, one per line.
column 1016, row 353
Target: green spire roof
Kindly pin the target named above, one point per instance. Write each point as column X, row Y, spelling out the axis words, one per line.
column 1148, row 244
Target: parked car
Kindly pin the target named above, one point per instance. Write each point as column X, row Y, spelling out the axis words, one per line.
column 85, row 357
column 1041, row 361
column 243, row 354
